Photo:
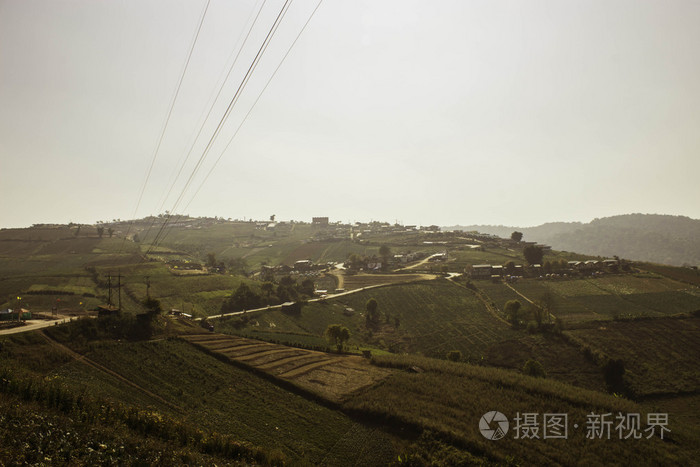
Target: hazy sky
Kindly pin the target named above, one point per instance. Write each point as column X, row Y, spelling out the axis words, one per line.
column 427, row 112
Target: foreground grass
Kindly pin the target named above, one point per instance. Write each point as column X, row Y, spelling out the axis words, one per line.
column 660, row 355
column 450, row 398
column 206, row 394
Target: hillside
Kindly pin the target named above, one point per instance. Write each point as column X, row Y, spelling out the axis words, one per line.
column 672, row 240
column 266, row 388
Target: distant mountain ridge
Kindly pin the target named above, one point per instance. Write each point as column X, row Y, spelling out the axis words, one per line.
column 673, row 240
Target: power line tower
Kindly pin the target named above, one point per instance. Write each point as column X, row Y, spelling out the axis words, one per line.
column 109, row 285
column 119, row 288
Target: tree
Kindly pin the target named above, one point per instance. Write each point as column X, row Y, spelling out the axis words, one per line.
column 614, row 372
column 272, row 218
column 509, row 268
column 211, row 260
column 268, row 288
column 152, row 305
column 372, row 316
column 384, row 252
column 516, row 236
column 534, row 368
column 543, row 309
column 454, row 355
column 110, row 231
column 533, row 254
column 511, row 309
column 100, row 231
column 338, row 335
column 242, row 299
column 547, row 266
column 307, row 287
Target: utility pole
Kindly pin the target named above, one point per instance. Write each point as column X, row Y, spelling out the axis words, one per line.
column 109, row 284
column 119, row 288
column 148, row 288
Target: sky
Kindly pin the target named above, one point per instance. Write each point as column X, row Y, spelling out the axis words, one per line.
column 422, row 112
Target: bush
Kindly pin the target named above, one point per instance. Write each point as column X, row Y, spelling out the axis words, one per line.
column 534, row 368
column 454, row 355
column 613, row 372
column 532, row 327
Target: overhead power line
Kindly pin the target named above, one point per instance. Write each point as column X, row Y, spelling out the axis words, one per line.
column 234, row 100
column 218, row 94
column 211, row 108
column 254, row 103
column 272, row 76
column 167, row 118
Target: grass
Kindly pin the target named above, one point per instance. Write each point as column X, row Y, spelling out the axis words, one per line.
column 450, row 398
column 660, row 355
column 32, row 434
column 607, row 297
column 210, row 395
column 358, row 281
column 434, row 317
column 229, row 400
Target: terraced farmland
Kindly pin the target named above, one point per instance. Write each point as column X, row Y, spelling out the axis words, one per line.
column 330, row 375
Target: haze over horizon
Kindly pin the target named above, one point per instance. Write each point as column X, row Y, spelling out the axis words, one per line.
column 503, row 112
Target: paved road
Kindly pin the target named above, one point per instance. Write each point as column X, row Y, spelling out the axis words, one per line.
column 33, row 325
column 273, row 307
column 420, row 263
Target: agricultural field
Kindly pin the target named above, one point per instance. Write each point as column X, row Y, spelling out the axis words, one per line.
column 468, row 256
column 334, row 377
column 499, row 293
column 561, row 360
column 271, row 385
column 54, row 272
column 213, row 396
column 72, row 273
column 450, row 398
column 434, row 317
column 660, row 355
column 606, row 297
column 359, row 281
column 684, row 274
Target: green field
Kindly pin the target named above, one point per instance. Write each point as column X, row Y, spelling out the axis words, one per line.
column 135, row 379
column 450, row 398
column 606, row 297
column 434, row 317
column 213, row 396
column 660, row 355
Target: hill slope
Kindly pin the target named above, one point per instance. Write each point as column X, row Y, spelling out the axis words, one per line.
column 673, row 240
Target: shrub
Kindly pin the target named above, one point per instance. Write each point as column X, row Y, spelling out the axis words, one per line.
column 454, row 355
column 534, row 368
column 532, row 327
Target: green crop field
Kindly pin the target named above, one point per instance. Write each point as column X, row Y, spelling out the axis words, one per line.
column 434, row 318
column 216, row 396
column 137, row 373
column 450, row 398
column 607, row 297
column 660, row 355
column 498, row 292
